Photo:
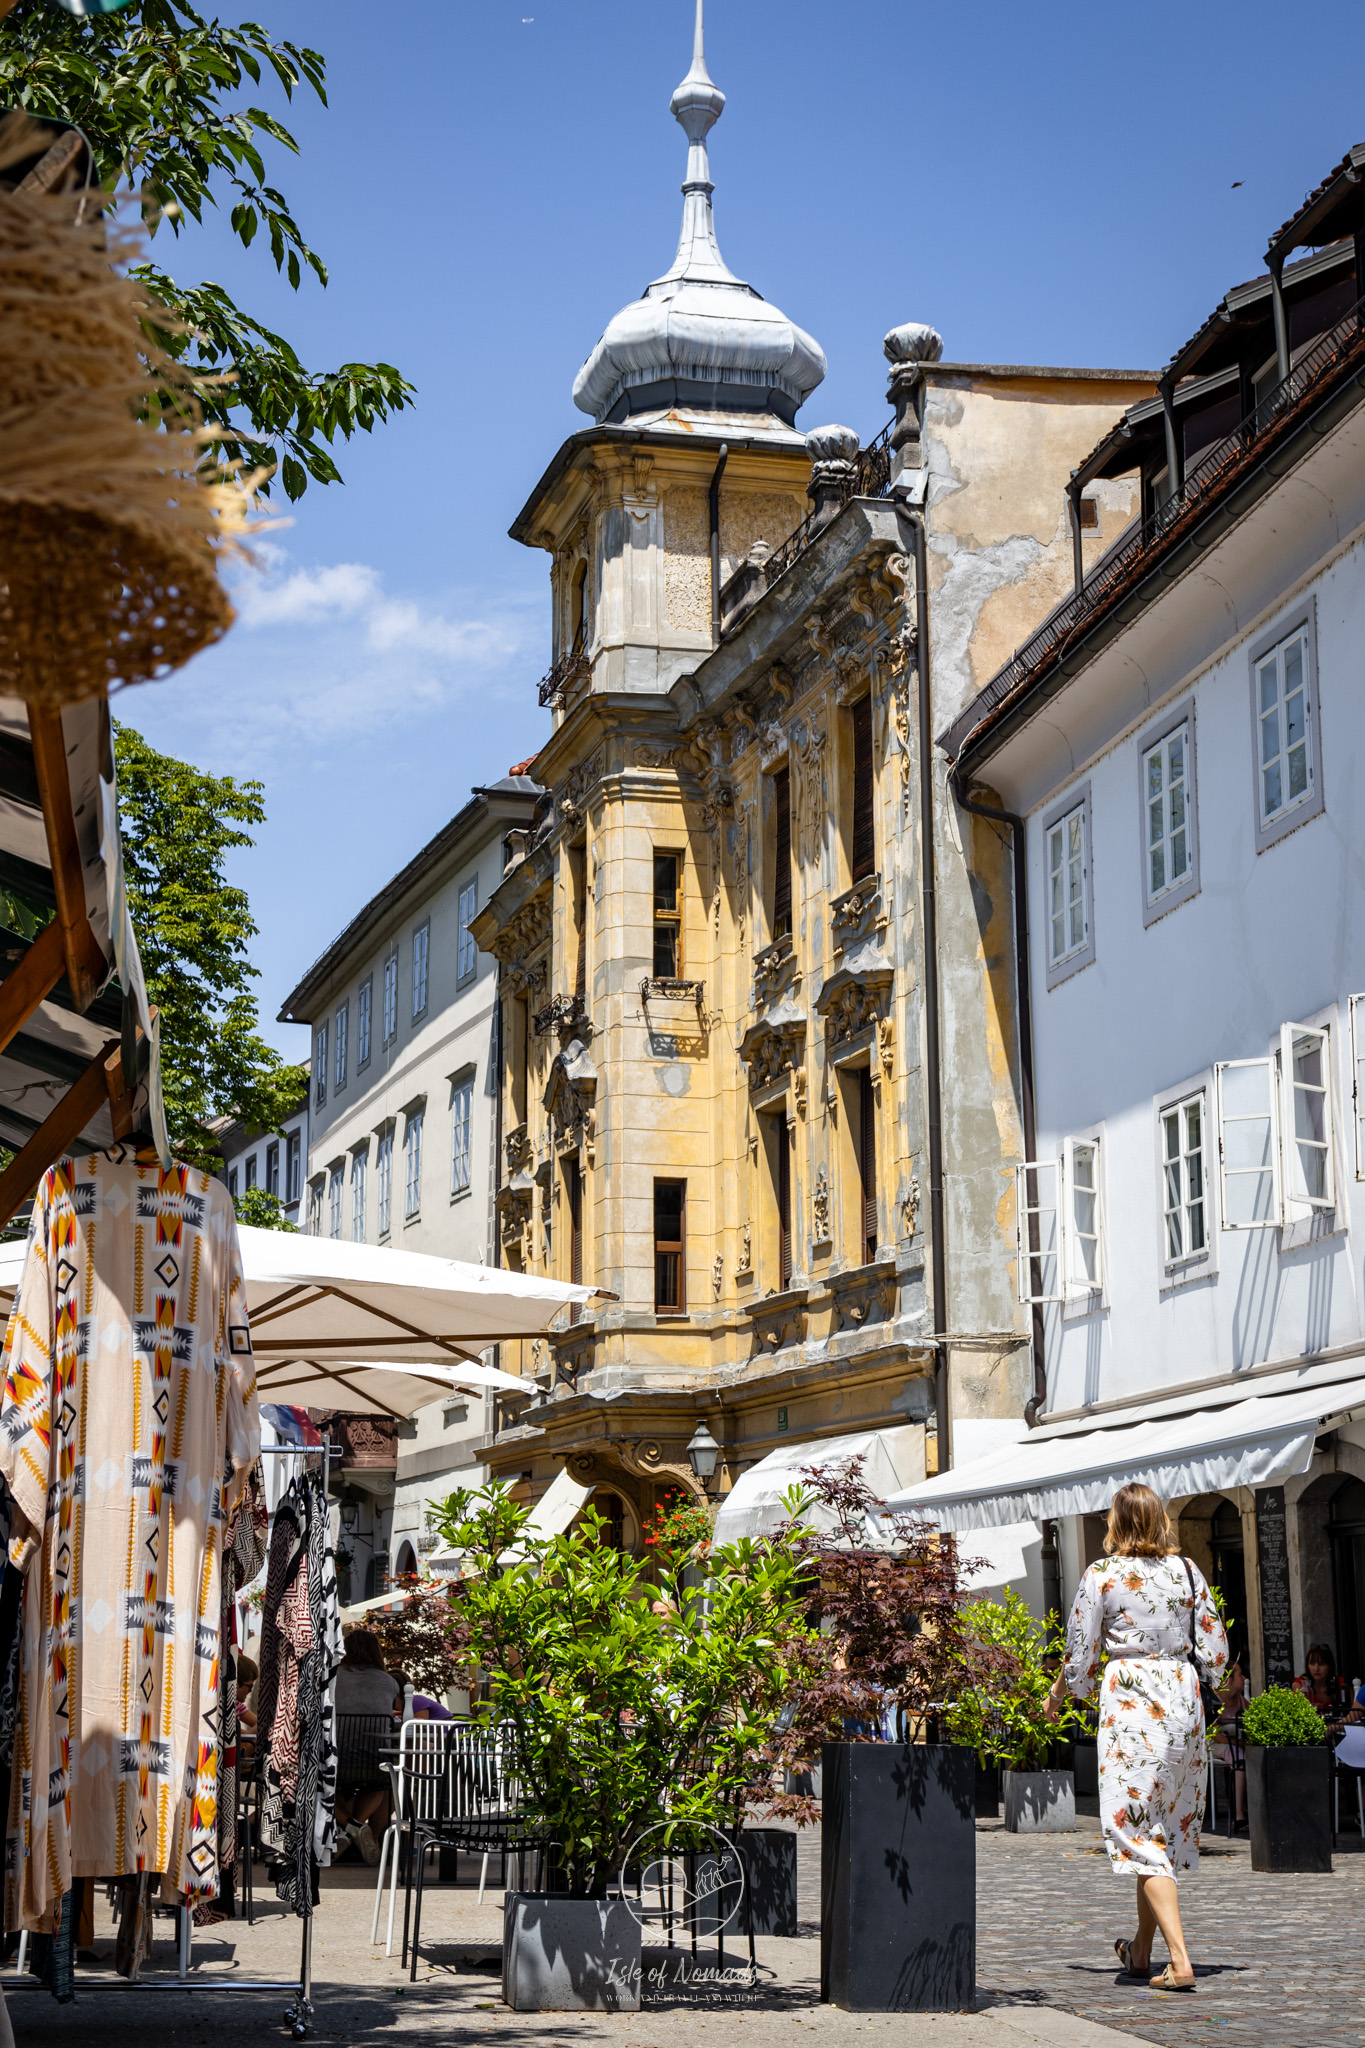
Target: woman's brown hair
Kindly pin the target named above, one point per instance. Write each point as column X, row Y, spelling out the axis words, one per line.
column 1138, row 1525
column 362, row 1651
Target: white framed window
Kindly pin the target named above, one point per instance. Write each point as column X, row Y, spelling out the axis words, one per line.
column 232, row 1182
column 1083, row 1220
column 1069, row 920
column 1184, row 1180
column 1248, row 1144
column 1306, row 1087
column 467, row 958
column 364, row 1004
column 461, row 1116
column 319, row 1066
column 1038, row 1225
column 1170, row 831
column 1358, row 1081
column 390, row 998
column 293, row 1167
column 343, row 1032
column 1285, row 728
column 315, row 1187
column 421, row 949
column 412, row 1163
column 251, row 1171
column 336, row 1180
column 359, row 1163
column 384, row 1179
column 272, row 1170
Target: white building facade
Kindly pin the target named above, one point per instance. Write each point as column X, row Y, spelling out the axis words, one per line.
column 1181, row 748
column 403, row 1012
column 274, row 1161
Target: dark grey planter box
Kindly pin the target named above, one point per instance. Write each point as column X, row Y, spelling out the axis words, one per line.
column 986, row 1789
column 569, row 1955
column 1040, row 1802
column 769, row 1896
column 898, row 1877
column 1289, row 1794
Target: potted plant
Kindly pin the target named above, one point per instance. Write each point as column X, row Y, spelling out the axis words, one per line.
column 1007, row 1720
column 638, row 1700
column 1289, row 1782
column 898, row 1839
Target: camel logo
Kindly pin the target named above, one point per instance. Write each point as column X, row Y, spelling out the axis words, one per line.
column 694, row 1875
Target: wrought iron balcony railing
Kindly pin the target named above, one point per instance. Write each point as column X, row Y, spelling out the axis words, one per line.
column 871, row 478
column 568, row 670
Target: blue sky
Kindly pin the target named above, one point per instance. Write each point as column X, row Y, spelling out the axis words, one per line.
column 494, row 178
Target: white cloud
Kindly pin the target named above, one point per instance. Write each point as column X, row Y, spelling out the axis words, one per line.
column 306, row 597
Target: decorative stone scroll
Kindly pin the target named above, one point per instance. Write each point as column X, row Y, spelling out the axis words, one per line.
column 570, row 1099
column 858, row 914
column 771, row 1050
column 853, row 1006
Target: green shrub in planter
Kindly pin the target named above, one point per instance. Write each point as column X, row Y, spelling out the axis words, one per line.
column 1006, row 1718
column 1281, row 1719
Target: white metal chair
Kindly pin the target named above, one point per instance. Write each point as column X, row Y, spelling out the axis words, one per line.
column 416, row 1797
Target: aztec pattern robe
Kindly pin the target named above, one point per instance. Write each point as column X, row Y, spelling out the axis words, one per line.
column 1153, row 1767
column 128, row 1424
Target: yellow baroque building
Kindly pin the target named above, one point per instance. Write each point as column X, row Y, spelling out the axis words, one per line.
column 747, row 1090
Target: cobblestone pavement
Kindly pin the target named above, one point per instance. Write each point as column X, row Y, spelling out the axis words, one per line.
column 1281, row 1964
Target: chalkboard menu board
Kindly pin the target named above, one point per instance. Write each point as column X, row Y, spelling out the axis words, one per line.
column 1277, row 1638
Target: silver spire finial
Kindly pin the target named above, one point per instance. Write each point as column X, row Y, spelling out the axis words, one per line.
column 697, row 105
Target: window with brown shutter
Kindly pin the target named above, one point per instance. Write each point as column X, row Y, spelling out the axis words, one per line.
column 667, row 916
column 867, row 1165
column 573, row 1184
column 782, row 853
column 670, row 1263
column 784, row 1201
column 864, row 839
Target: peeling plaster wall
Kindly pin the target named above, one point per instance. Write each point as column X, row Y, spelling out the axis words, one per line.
column 999, row 451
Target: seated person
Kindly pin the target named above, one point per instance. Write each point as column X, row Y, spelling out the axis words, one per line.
column 363, row 1686
column 1318, row 1681
column 247, row 1675
column 424, row 1707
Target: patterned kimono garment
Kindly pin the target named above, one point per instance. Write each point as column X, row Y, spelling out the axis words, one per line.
column 128, row 1423
column 1152, row 1758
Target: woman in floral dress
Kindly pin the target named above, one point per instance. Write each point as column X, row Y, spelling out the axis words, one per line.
column 1139, row 1611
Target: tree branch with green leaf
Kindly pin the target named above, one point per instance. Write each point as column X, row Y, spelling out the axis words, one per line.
column 164, row 97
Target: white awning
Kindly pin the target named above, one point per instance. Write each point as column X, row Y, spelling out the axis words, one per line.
column 1075, row 1469
column 550, row 1516
column 995, row 1557
column 892, row 1458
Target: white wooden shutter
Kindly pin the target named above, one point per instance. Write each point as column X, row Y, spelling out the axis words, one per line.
column 1038, row 1222
column 1306, row 1120
column 1358, row 1081
column 1082, row 1227
column 1248, row 1145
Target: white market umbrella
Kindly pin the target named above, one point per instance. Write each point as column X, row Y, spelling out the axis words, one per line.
column 360, row 1327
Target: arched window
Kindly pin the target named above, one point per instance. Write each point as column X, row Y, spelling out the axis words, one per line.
column 407, row 1561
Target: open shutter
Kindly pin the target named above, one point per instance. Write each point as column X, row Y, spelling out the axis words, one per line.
column 1248, row 1145
column 1039, row 1226
column 1306, row 1120
column 1358, row 1081
column 1082, row 1228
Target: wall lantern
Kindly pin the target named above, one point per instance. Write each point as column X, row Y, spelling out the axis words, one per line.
column 703, row 1452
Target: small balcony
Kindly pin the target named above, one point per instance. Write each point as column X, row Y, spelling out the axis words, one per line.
column 564, row 680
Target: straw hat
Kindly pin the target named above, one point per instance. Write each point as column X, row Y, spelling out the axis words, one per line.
column 109, row 544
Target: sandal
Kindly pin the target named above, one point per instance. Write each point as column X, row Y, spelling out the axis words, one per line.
column 1124, row 1951
column 1168, row 1981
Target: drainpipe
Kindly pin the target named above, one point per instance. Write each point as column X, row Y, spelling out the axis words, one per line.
column 713, row 499
column 1073, row 492
column 929, row 912
column 1023, row 982
column 1276, row 268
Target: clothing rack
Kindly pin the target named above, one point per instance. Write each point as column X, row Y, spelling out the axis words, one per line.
column 297, row 2017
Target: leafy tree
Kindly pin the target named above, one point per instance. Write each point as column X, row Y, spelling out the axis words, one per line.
column 262, row 1210
column 163, row 96
column 1007, row 1720
column 193, row 929
column 639, row 1712
column 415, row 1638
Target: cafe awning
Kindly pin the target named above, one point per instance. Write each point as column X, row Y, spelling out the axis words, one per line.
column 754, row 1506
column 550, row 1517
column 1074, row 1467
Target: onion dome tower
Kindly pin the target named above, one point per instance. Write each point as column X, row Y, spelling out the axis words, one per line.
column 699, row 339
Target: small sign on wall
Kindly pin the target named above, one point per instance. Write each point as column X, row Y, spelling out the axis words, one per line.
column 781, row 1420
column 1272, row 1549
